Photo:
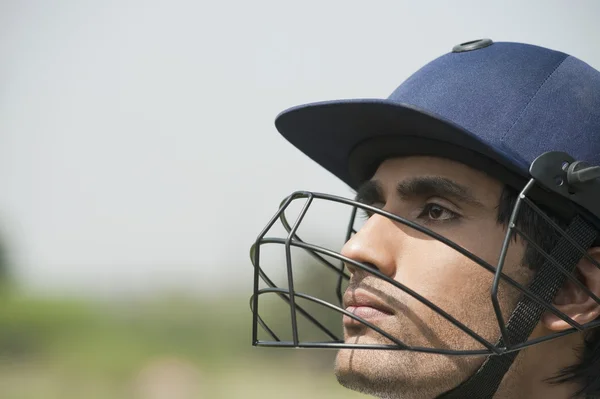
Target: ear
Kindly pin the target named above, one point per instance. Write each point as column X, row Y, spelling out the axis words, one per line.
column 575, row 302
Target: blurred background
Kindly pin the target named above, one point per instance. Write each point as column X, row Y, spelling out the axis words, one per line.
column 139, row 161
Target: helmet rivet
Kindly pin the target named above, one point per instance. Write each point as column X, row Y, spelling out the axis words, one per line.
column 472, row 45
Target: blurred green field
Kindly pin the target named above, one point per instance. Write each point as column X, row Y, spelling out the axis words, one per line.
column 172, row 348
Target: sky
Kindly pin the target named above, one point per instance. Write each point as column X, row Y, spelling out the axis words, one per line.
column 137, row 146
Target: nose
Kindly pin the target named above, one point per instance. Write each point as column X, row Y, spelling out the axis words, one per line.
column 376, row 244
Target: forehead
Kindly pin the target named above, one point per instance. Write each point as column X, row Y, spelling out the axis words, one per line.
column 394, row 170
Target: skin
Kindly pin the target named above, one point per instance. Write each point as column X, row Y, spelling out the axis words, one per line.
column 450, row 280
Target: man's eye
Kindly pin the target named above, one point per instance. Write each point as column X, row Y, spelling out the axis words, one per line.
column 438, row 213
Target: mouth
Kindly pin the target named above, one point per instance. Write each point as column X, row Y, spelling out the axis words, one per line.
column 362, row 304
column 368, row 313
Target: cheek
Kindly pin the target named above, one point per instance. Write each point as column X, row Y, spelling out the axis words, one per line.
column 451, row 281
column 436, row 270
column 455, row 283
column 440, row 270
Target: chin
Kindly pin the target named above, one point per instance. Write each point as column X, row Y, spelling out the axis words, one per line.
column 398, row 374
column 373, row 372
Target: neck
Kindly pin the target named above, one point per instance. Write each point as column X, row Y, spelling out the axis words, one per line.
column 528, row 376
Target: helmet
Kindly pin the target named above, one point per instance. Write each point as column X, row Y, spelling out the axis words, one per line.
column 526, row 115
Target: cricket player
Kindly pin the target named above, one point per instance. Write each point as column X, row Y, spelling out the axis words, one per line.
column 475, row 273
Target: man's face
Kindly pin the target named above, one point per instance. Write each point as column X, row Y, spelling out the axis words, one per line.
column 461, row 204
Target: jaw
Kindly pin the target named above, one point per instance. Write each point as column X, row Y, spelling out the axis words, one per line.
column 400, row 373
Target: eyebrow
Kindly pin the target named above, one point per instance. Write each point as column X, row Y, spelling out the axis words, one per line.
column 426, row 186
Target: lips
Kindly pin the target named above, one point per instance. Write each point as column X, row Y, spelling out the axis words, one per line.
column 364, row 305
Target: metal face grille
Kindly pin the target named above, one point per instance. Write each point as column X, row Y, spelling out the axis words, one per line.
column 540, row 296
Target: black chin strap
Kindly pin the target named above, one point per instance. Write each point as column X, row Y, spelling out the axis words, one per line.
column 485, row 382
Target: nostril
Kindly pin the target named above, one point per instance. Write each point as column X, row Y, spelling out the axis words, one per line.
column 353, row 269
column 371, row 265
